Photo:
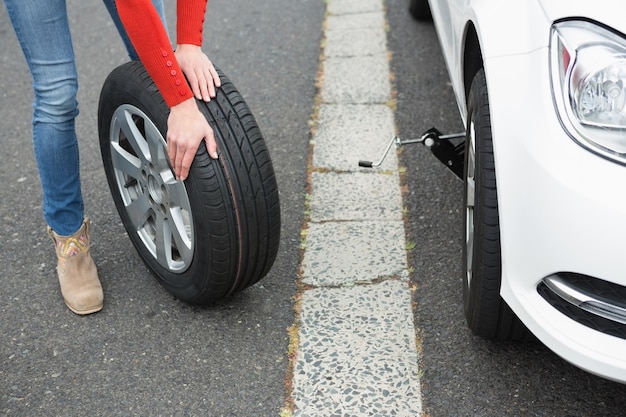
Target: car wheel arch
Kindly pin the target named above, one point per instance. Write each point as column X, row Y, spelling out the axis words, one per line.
column 472, row 57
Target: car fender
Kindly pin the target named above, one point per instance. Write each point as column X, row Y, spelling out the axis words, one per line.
column 454, row 19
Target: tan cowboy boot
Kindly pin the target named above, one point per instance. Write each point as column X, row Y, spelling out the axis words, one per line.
column 77, row 272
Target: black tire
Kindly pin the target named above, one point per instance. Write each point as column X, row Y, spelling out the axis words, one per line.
column 217, row 232
column 486, row 312
column 420, row 10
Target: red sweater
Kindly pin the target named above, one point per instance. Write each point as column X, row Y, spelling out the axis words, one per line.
column 148, row 36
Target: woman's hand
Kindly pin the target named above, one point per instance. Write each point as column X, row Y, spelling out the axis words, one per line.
column 186, row 125
column 199, row 71
column 186, row 128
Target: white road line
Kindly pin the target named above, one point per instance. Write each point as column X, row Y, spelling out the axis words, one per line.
column 357, row 351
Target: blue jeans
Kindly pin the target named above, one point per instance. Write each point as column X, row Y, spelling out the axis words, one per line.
column 43, row 32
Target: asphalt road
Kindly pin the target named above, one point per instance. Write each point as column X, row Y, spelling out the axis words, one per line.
column 147, row 354
column 464, row 375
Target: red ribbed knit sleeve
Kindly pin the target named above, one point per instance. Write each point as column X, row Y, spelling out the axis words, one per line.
column 190, row 21
column 148, row 36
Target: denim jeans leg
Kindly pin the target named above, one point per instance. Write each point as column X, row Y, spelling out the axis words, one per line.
column 43, row 33
column 112, row 8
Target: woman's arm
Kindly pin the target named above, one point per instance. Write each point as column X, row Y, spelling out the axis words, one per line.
column 186, row 125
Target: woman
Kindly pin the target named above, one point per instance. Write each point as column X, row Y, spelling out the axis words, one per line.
column 43, row 32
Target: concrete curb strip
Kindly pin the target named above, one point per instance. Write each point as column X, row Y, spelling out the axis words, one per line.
column 357, row 352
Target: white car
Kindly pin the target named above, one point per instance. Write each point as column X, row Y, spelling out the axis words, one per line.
column 541, row 87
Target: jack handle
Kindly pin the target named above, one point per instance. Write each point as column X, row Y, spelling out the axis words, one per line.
column 428, row 139
column 369, row 164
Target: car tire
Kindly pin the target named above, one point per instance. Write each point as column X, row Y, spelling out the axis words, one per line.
column 217, row 232
column 486, row 312
column 420, row 10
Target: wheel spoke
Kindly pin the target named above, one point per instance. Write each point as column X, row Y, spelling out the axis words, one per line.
column 179, row 217
column 469, row 225
column 132, row 133
column 470, row 201
column 139, row 211
column 471, row 192
column 176, row 193
column 469, row 248
column 157, row 148
column 471, row 168
column 163, row 241
column 124, row 162
column 180, row 234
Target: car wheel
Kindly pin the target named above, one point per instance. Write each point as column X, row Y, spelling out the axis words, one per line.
column 486, row 312
column 217, row 232
column 420, row 10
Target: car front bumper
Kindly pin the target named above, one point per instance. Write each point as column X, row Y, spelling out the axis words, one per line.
column 562, row 209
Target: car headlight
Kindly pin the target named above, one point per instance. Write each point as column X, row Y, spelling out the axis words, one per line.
column 588, row 72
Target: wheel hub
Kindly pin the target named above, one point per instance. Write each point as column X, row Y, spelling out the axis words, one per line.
column 156, row 189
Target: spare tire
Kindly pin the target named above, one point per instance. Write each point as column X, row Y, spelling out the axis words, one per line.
column 217, row 232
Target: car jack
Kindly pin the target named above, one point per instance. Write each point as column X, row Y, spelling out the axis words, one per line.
column 449, row 154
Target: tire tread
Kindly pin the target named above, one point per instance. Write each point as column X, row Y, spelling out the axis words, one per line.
column 486, row 312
